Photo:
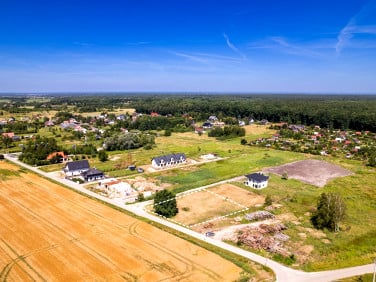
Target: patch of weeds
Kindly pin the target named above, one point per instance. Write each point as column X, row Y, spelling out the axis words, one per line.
column 5, row 173
column 289, row 260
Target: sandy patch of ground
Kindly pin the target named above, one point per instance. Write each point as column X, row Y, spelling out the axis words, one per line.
column 302, row 253
column 287, row 217
column 302, row 236
column 211, row 203
column 313, row 172
column 114, row 158
column 239, row 195
column 52, row 233
column 201, row 206
column 313, row 232
column 256, row 129
column 142, row 184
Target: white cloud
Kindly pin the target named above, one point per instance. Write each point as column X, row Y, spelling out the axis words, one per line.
column 283, row 45
column 353, row 27
column 233, row 47
column 207, row 58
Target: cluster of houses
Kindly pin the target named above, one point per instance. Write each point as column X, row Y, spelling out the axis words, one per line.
column 110, row 187
column 315, row 140
column 11, row 135
column 74, row 125
column 213, row 122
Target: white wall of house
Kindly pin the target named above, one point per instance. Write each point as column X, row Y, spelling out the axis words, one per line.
column 74, row 172
column 170, row 163
column 256, row 185
column 93, row 178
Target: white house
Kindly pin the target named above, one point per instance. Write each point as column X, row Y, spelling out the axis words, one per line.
column 168, row 160
column 76, row 168
column 92, row 174
column 257, row 180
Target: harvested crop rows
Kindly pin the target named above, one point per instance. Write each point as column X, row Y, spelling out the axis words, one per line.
column 51, row 233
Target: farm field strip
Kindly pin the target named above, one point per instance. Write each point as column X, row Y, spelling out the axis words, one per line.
column 52, row 233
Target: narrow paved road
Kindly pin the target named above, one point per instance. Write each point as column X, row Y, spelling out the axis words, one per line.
column 283, row 273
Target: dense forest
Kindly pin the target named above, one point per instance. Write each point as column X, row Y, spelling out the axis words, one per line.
column 356, row 112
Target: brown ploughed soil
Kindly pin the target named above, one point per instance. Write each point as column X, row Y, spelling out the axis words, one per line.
column 313, row 172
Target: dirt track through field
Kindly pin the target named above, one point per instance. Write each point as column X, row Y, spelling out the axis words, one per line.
column 49, row 233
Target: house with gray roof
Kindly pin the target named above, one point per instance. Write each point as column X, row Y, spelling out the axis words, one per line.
column 168, row 160
column 92, row 174
column 76, row 168
column 257, row 180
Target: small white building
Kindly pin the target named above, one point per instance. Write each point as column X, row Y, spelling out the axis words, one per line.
column 208, row 157
column 257, row 180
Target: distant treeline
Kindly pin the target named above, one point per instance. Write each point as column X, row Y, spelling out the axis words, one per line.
column 356, row 112
column 334, row 111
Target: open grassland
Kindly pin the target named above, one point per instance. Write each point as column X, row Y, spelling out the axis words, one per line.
column 52, row 233
column 316, row 250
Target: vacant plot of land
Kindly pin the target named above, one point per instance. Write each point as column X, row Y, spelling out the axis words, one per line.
column 211, row 203
column 239, row 195
column 257, row 130
column 313, row 172
column 51, row 233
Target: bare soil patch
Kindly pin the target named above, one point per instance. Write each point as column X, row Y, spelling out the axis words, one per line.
column 313, row 172
column 201, row 206
column 51, row 233
column 239, row 195
column 256, row 129
column 217, row 201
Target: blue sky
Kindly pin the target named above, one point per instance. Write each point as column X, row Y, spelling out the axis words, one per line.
column 253, row 46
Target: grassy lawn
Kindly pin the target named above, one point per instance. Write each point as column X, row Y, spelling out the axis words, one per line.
column 249, row 160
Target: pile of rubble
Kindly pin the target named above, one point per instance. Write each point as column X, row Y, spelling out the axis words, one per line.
column 265, row 236
column 259, row 215
column 141, row 184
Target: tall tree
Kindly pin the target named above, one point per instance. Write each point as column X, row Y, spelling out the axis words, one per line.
column 331, row 210
column 7, row 141
column 165, row 203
